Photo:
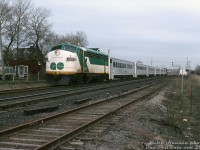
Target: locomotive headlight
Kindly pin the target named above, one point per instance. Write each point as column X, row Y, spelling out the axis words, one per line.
column 57, row 52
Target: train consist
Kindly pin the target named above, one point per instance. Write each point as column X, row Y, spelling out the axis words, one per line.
column 66, row 63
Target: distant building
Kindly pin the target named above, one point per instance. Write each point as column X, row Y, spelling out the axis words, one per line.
column 23, row 53
column 183, row 72
column 26, row 57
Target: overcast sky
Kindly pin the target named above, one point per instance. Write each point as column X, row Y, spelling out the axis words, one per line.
column 163, row 31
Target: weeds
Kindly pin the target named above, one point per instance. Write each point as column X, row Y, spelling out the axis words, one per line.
column 182, row 109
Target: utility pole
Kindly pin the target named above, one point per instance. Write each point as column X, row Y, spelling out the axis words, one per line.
column 181, row 69
column 2, row 57
column 188, row 67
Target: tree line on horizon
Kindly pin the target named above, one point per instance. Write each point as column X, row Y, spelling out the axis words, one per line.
column 24, row 25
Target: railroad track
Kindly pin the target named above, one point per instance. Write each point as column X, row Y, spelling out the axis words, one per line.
column 53, row 131
column 6, row 103
column 20, row 90
column 24, row 90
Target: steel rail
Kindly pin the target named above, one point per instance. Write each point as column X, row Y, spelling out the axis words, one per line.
column 61, row 140
column 38, row 88
column 54, row 143
column 8, row 131
column 23, row 89
column 21, row 100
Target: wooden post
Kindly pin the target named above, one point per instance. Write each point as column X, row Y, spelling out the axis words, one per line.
column 190, row 99
column 13, row 77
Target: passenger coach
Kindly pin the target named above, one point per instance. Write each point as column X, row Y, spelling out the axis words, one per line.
column 121, row 68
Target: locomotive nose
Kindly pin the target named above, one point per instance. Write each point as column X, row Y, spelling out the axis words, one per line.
column 56, row 73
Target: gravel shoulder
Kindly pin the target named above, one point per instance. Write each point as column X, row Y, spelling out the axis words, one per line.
column 136, row 130
column 133, row 131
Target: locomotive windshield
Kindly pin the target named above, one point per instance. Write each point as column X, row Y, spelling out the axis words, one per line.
column 56, row 47
column 69, row 48
column 64, row 47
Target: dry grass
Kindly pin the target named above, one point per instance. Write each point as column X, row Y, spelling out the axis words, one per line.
column 183, row 108
column 21, row 85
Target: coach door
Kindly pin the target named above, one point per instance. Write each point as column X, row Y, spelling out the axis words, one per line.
column 83, row 62
column 80, row 57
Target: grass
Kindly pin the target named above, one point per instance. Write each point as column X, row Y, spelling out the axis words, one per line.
column 179, row 115
column 182, row 108
column 21, row 81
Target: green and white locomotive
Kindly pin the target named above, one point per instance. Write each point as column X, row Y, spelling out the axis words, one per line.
column 67, row 63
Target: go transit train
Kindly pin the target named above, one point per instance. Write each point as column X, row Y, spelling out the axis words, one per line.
column 67, row 63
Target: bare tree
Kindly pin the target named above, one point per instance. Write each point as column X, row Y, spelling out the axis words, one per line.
column 82, row 38
column 79, row 38
column 16, row 26
column 21, row 11
column 21, row 24
column 51, row 40
column 4, row 12
column 39, row 30
column 10, row 36
column 197, row 69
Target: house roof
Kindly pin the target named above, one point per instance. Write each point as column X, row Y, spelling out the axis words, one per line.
column 24, row 50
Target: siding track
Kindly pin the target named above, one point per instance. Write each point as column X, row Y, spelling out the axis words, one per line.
column 27, row 99
column 53, row 131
